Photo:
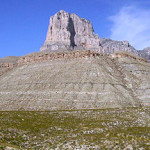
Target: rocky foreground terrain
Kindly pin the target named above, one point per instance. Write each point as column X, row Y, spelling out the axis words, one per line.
column 111, row 129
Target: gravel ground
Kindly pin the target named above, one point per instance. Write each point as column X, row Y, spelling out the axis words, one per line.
column 126, row 128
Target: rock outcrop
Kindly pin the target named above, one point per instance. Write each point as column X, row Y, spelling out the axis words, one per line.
column 137, row 76
column 145, row 53
column 110, row 46
column 69, row 31
column 50, row 56
column 70, row 55
column 7, row 63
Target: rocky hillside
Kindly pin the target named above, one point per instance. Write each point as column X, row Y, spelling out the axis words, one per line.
column 88, row 82
column 145, row 53
column 7, row 63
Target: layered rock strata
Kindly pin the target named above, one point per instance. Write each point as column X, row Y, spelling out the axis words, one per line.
column 7, row 63
column 89, row 82
column 50, row 56
column 137, row 76
column 61, row 77
column 127, row 55
column 69, row 31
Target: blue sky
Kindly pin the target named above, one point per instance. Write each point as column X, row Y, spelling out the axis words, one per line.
column 24, row 23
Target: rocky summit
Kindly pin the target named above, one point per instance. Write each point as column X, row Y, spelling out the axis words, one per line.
column 69, row 31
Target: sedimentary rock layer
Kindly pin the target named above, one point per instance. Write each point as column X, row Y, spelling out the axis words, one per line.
column 7, row 63
column 136, row 73
column 45, row 56
column 76, row 83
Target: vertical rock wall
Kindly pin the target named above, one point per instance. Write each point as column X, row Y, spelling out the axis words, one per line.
column 70, row 32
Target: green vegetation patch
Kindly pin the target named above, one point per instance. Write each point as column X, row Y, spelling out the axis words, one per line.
column 86, row 129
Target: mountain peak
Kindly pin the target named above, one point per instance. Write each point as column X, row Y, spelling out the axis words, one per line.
column 70, row 32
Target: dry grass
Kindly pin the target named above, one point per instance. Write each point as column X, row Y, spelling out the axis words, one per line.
column 82, row 129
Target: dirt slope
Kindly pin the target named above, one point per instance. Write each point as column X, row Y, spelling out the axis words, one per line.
column 80, row 83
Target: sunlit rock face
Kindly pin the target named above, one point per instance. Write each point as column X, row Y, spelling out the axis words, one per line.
column 145, row 53
column 58, row 35
column 69, row 31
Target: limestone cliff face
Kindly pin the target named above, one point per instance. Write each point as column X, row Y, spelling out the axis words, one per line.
column 58, row 35
column 145, row 53
column 69, row 31
column 84, row 37
column 111, row 46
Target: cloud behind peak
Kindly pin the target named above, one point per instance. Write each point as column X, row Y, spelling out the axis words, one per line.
column 132, row 24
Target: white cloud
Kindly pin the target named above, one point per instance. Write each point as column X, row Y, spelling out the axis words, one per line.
column 132, row 24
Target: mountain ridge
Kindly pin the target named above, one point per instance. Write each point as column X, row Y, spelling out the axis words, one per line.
column 69, row 74
column 69, row 31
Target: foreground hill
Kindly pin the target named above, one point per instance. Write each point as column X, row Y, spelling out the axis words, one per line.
column 75, row 80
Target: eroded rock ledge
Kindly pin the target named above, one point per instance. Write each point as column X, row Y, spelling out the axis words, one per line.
column 36, row 57
column 75, row 80
column 69, row 55
column 39, row 56
column 4, row 67
column 7, row 63
column 128, row 55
